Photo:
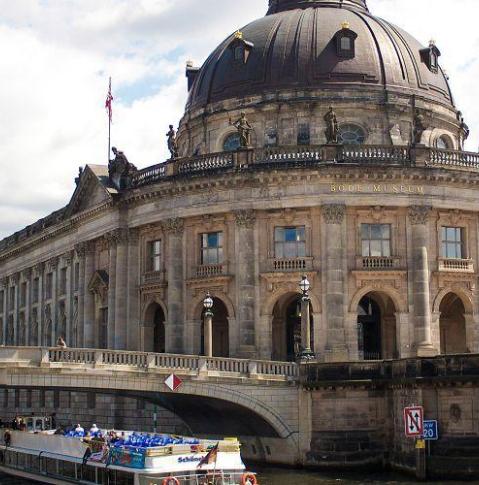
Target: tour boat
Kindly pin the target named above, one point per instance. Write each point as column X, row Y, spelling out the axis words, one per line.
column 125, row 458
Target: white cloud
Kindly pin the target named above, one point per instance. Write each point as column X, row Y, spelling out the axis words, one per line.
column 59, row 54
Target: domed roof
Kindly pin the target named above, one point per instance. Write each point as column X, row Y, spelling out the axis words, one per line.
column 295, row 47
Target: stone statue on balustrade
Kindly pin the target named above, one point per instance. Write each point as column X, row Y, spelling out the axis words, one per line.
column 419, row 127
column 332, row 127
column 244, row 130
column 120, row 170
column 172, row 143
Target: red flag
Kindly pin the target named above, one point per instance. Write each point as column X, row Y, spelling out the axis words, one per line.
column 109, row 99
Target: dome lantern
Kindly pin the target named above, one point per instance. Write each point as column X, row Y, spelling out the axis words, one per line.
column 276, row 6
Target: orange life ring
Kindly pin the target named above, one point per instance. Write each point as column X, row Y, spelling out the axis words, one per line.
column 249, row 479
column 170, row 481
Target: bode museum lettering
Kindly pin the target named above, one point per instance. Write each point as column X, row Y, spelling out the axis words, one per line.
column 378, row 188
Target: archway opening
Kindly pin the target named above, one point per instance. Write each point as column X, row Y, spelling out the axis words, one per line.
column 286, row 331
column 377, row 327
column 154, row 332
column 221, row 339
column 452, row 324
column 159, row 340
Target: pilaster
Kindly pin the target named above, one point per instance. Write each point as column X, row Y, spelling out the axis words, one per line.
column 174, row 228
column 88, row 306
column 133, row 321
column 121, row 290
column 245, row 281
column 112, row 240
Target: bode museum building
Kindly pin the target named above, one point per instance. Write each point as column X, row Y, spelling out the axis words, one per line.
column 320, row 141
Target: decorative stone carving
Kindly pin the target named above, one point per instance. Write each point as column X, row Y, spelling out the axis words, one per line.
column 133, row 235
column 419, row 214
column 244, row 130
column 117, row 236
column 418, row 127
column 332, row 127
column 174, row 225
column 53, row 264
column 4, row 282
column 172, row 143
column 14, row 279
column 27, row 274
column 120, row 170
column 38, row 269
column 334, row 213
column 245, row 218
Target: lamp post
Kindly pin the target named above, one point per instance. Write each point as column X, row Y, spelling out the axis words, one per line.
column 208, row 325
column 306, row 352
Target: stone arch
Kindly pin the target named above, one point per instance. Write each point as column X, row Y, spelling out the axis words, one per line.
column 268, row 306
column 147, row 307
column 433, row 135
column 153, row 329
column 395, row 296
column 463, row 294
column 196, row 308
column 226, row 132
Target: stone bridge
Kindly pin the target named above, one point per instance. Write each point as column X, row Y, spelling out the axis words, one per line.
column 258, row 401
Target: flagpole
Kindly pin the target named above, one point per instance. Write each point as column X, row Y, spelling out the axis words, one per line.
column 109, row 129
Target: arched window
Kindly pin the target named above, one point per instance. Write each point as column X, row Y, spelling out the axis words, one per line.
column 345, row 42
column 351, row 134
column 232, row 142
column 443, row 143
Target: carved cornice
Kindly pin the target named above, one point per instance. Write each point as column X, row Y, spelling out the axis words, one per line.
column 27, row 274
column 245, row 218
column 419, row 214
column 174, row 226
column 52, row 264
column 334, row 213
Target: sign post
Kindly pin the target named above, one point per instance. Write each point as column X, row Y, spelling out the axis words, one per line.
column 430, row 430
column 414, row 421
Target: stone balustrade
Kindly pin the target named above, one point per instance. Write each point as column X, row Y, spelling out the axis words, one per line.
column 374, row 154
column 125, row 360
column 456, row 265
column 288, row 154
column 371, row 263
column 453, row 158
column 210, row 270
column 292, row 264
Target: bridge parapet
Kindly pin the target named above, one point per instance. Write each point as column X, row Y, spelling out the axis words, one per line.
column 191, row 365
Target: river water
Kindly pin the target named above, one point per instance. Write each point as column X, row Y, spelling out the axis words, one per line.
column 279, row 476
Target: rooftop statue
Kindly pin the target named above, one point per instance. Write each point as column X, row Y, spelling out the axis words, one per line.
column 172, row 143
column 332, row 127
column 244, row 130
column 120, row 169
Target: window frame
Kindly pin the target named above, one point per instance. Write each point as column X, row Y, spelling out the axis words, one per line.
column 154, row 259
column 372, row 239
column 341, row 52
column 210, row 250
column 446, row 242
column 284, row 242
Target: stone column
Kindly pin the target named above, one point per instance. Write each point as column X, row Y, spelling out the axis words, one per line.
column 334, row 257
column 53, row 266
column 14, row 280
column 245, row 281
column 69, row 292
column 112, row 240
column 121, row 291
column 133, row 321
column 3, row 303
column 39, row 271
column 80, row 252
column 27, row 275
column 418, row 218
column 175, row 325
column 88, row 322
column 208, row 333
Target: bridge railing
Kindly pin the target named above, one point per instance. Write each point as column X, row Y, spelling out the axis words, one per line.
column 163, row 363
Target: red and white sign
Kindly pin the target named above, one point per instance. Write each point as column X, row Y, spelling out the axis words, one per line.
column 173, row 382
column 414, row 421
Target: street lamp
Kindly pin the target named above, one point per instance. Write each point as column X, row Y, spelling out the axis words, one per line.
column 208, row 325
column 306, row 352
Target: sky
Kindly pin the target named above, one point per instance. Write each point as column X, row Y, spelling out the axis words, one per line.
column 57, row 56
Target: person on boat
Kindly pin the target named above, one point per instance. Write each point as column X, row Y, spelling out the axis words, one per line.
column 79, row 429
column 94, row 429
column 22, row 426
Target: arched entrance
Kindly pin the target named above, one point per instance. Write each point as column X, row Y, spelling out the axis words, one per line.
column 452, row 324
column 221, row 338
column 377, row 327
column 286, row 331
column 154, row 339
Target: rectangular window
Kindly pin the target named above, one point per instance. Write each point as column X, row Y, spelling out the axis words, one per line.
column 36, row 286
column 63, row 281
column 56, row 399
column 453, row 243
column 289, row 242
column 29, row 398
column 2, row 304
column 16, row 394
column 23, row 294
column 5, row 398
column 212, row 248
column 91, row 400
column 376, row 240
column 42, row 398
column 345, row 43
column 49, row 286
column 154, row 255
column 303, row 134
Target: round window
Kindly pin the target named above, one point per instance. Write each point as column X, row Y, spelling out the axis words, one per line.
column 350, row 134
column 232, row 142
column 442, row 143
